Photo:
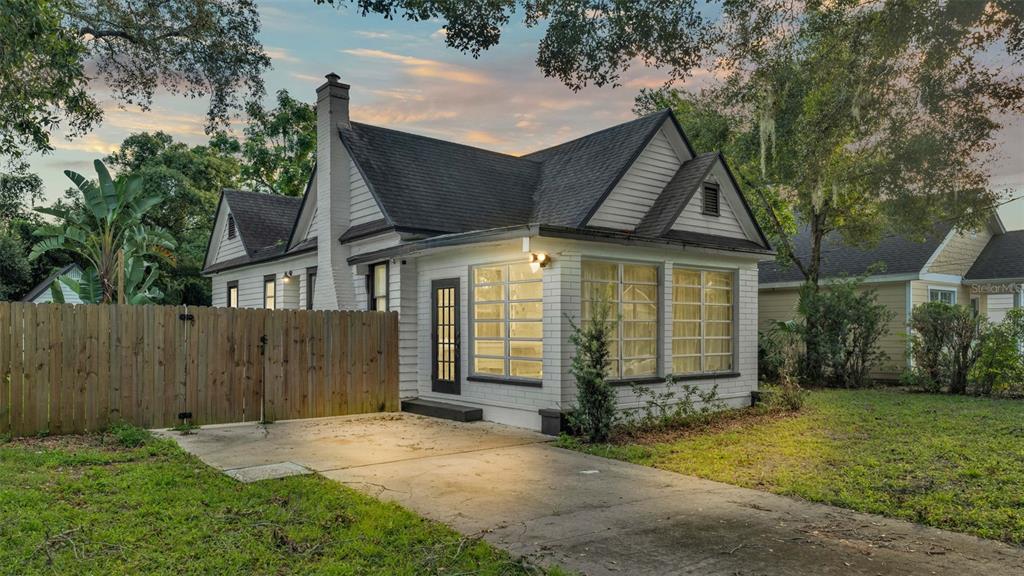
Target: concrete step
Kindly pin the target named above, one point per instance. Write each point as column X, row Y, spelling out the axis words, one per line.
column 444, row 410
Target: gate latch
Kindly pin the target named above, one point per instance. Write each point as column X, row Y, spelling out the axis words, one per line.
column 186, row 316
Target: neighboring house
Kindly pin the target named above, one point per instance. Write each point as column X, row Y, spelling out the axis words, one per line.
column 489, row 258
column 41, row 293
column 948, row 266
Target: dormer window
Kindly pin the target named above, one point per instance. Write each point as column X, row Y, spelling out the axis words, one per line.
column 711, row 199
column 231, row 226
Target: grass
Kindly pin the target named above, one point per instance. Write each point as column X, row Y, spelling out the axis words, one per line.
column 950, row 462
column 113, row 505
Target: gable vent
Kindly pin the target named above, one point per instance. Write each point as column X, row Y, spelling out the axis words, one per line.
column 231, row 226
column 711, row 200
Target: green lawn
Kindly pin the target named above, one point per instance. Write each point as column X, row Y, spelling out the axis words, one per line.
column 83, row 505
column 950, row 462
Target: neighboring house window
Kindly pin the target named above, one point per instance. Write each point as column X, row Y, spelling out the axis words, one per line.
column 943, row 295
column 233, row 294
column 231, row 226
column 508, row 321
column 310, row 286
column 270, row 292
column 702, row 321
column 377, row 287
column 632, row 292
column 711, row 199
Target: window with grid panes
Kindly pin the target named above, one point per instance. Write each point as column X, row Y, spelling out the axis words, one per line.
column 702, row 321
column 508, row 327
column 632, row 292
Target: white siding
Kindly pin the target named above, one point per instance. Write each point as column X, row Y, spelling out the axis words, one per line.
column 364, row 206
column 634, row 195
column 693, row 219
column 734, row 390
column 305, row 225
column 228, row 248
column 314, row 225
column 250, row 283
column 998, row 306
column 519, row 405
column 70, row 297
column 509, row 404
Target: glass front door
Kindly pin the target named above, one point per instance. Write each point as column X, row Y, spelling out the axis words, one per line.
column 445, row 336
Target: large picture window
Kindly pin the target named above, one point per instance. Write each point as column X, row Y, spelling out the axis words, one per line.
column 632, row 292
column 702, row 321
column 508, row 327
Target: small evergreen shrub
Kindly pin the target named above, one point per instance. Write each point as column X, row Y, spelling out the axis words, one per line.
column 679, row 404
column 789, row 397
column 1000, row 365
column 594, row 414
column 945, row 345
column 840, row 327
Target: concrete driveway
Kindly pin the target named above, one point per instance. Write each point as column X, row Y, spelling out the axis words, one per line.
column 590, row 514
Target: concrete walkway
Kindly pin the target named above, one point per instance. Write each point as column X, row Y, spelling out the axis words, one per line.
column 594, row 515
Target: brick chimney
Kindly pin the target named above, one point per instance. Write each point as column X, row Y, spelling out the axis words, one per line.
column 334, row 288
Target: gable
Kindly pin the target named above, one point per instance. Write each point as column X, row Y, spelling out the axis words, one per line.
column 958, row 252
column 305, row 224
column 226, row 248
column 639, row 188
column 363, row 208
column 727, row 223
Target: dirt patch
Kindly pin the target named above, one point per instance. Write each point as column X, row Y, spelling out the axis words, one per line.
column 68, row 443
column 724, row 421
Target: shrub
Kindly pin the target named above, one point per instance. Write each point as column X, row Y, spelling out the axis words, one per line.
column 594, row 413
column 1000, row 365
column 840, row 328
column 129, row 436
column 778, row 351
column 945, row 345
column 789, row 397
column 679, row 404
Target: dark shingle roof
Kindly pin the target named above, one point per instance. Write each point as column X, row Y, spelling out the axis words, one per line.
column 677, row 193
column 899, row 254
column 1003, row 257
column 264, row 221
column 576, row 175
column 432, row 186
column 440, row 186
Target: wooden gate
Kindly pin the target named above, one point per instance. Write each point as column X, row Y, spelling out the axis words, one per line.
column 79, row 368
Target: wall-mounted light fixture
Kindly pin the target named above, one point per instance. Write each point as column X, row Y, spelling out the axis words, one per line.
column 539, row 260
column 288, row 276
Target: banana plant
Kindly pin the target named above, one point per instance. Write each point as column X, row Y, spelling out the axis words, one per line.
column 109, row 223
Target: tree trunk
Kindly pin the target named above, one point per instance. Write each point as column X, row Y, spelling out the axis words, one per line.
column 812, row 272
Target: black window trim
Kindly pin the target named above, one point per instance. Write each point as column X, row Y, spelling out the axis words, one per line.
column 371, row 297
column 227, row 294
column 718, row 196
column 311, row 271
column 266, row 280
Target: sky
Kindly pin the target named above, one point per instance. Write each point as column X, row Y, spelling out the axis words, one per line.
column 404, row 77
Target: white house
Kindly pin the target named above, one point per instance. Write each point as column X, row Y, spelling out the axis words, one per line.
column 488, row 257
column 43, row 292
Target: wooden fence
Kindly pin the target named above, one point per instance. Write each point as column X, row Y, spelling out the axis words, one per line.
column 79, row 368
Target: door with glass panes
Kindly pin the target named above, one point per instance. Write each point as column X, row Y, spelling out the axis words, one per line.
column 444, row 339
